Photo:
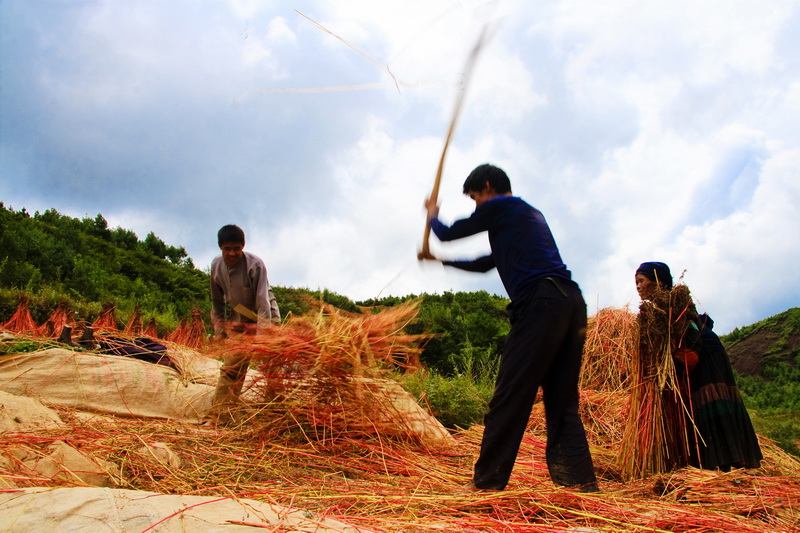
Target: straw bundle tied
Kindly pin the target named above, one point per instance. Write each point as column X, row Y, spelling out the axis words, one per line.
column 195, row 335
column 134, row 325
column 107, row 319
column 151, row 330
column 58, row 319
column 190, row 333
column 180, row 333
column 21, row 321
column 659, row 427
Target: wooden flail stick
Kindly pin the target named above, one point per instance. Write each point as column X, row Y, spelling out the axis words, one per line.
column 426, row 251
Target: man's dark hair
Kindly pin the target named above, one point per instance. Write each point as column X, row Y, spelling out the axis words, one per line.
column 230, row 233
column 496, row 177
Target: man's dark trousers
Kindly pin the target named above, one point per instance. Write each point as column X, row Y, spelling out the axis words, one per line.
column 544, row 348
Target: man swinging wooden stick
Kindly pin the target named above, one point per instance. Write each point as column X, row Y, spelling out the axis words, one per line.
column 548, row 327
column 545, row 344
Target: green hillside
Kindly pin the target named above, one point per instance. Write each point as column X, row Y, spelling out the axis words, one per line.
column 84, row 263
column 766, row 358
column 760, row 348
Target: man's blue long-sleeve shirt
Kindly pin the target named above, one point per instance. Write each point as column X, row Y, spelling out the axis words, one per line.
column 523, row 248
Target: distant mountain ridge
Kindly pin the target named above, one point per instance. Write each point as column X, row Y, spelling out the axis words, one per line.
column 774, row 340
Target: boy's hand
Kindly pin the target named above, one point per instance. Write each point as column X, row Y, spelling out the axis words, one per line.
column 432, row 208
column 427, row 256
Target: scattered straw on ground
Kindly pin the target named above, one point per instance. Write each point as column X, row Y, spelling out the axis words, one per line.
column 390, row 485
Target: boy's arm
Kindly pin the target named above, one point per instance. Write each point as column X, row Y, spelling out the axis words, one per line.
column 481, row 264
column 266, row 304
column 274, row 312
column 217, row 305
column 460, row 228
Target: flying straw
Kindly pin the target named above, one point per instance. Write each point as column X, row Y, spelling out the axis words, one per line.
column 356, row 49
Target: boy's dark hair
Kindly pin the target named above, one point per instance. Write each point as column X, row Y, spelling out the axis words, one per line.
column 230, row 233
column 496, row 177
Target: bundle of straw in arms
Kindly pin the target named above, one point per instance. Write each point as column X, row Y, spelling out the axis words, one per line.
column 659, row 432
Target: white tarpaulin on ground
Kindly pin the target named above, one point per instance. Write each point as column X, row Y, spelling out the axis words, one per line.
column 103, row 510
column 123, row 386
column 19, row 414
column 110, row 384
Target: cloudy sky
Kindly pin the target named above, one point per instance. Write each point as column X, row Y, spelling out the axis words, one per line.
column 658, row 130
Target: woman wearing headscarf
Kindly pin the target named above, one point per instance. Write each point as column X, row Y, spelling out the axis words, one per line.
column 719, row 433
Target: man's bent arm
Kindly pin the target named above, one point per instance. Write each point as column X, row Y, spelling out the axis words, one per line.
column 481, row 264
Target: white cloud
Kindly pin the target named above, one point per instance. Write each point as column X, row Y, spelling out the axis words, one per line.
column 245, row 9
column 279, row 32
column 746, row 259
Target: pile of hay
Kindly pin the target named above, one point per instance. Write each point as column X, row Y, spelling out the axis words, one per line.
column 609, row 352
column 326, row 371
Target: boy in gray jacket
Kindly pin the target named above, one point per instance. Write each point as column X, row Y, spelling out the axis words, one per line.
column 239, row 283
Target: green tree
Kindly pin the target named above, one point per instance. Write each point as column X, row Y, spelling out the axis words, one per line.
column 155, row 246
